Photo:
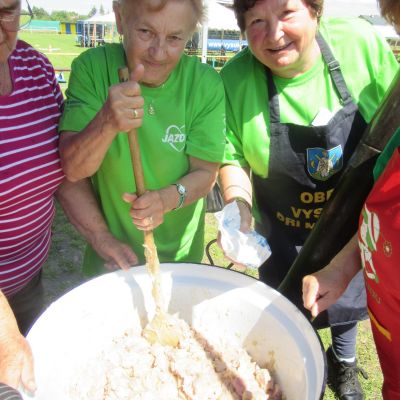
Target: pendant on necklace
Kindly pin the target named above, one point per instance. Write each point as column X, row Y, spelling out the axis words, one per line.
column 151, row 110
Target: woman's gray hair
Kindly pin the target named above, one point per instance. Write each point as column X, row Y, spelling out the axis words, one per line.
column 156, row 5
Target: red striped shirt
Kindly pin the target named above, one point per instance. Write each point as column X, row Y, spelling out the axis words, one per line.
column 30, row 170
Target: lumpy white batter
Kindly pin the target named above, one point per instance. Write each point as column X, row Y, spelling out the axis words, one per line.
column 132, row 368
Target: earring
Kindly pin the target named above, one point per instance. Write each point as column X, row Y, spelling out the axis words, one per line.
column 120, row 38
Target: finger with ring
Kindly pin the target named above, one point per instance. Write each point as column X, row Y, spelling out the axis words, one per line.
column 135, row 113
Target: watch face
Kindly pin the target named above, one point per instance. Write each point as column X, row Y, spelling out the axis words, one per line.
column 182, row 195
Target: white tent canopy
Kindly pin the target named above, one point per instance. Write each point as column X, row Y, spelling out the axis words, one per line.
column 220, row 17
column 102, row 19
column 217, row 17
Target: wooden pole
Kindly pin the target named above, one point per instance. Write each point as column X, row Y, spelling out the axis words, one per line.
column 150, row 247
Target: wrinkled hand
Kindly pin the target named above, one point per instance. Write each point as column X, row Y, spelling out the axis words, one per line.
column 322, row 289
column 147, row 211
column 16, row 363
column 123, row 109
column 116, row 253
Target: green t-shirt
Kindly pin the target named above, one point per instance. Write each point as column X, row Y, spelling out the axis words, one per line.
column 368, row 66
column 189, row 121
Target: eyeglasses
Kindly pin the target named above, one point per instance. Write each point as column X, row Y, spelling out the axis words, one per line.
column 13, row 22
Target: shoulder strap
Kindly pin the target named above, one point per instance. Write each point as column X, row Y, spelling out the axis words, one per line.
column 273, row 100
column 334, row 70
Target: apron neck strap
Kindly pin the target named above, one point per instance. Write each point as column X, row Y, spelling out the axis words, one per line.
column 334, row 71
column 274, row 112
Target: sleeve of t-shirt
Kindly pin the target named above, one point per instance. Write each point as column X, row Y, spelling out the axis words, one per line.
column 234, row 148
column 83, row 100
column 58, row 93
column 206, row 139
column 52, row 80
column 386, row 154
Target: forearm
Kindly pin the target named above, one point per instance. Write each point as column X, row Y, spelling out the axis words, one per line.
column 8, row 323
column 348, row 260
column 82, row 209
column 83, row 152
column 235, row 182
column 16, row 360
column 323, row 288
column 198, row 183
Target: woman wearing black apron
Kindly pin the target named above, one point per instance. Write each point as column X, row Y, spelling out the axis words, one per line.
column 298, row 101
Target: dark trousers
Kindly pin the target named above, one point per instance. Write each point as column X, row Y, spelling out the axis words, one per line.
column 28, row 303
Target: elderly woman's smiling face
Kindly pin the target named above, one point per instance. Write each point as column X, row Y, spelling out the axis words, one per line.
column 281, row 35
column 155, row 38
column 8, row 29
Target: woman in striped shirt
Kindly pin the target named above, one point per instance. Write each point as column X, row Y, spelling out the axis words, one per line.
column 30, row 173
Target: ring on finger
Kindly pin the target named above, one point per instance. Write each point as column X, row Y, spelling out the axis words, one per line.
column 135, row 113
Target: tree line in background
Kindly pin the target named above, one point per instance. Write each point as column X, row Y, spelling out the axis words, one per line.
column 62, row 15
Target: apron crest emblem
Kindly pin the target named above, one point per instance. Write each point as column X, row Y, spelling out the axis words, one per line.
column 322, row 163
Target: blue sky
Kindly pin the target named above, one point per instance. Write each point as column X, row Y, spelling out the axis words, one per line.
column 332, row 7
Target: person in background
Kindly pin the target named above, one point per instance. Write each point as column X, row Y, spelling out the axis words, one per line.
column 30, row 173
column 30, row 176
column 223, row 50
column 376, row 250
column 177, row 105
column 16, row 360
column 298, row 101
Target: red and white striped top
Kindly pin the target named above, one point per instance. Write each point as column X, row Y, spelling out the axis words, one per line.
column 30, row 170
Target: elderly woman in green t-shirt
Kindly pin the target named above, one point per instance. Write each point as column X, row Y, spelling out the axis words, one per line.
column 176, row 104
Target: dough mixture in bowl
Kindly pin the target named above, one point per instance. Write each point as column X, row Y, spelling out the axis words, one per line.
column 197, row 369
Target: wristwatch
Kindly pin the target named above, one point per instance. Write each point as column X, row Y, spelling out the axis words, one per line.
column 182, row 194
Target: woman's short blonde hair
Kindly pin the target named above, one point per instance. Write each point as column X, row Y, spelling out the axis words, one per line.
column 241, row 6
column 156, row 5
column 390, row 10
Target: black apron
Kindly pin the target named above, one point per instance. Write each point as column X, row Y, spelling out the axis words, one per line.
column 305, row 165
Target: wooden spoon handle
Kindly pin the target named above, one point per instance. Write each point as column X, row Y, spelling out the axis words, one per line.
column 150, row 247
column 123, row 74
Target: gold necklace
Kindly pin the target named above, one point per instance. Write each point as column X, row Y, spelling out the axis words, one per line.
column 151, row 109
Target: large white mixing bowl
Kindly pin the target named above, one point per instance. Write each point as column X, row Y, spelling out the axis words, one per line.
column 216, row 301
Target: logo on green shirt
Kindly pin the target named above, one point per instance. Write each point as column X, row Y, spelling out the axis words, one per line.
column 175, row 136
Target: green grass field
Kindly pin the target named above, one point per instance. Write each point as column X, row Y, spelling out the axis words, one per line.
column 62, row 269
